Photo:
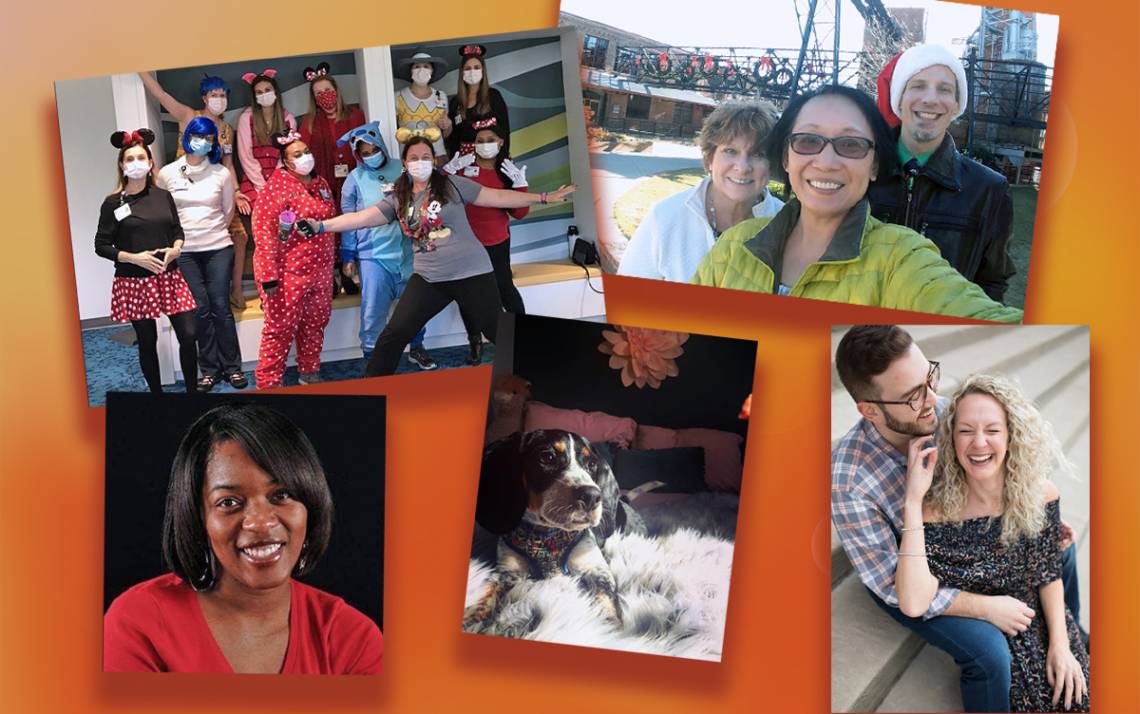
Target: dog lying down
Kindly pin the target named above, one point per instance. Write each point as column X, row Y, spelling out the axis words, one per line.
column 553, row 502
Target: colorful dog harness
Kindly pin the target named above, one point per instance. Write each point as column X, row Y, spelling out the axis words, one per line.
column 546, row 550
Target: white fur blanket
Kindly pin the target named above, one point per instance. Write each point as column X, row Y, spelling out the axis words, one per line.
column 674, row 591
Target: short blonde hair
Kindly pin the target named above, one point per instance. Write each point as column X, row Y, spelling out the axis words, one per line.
column 752, row 120
column 1033, row 452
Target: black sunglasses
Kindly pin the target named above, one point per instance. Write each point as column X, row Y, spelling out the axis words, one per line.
column 849, row 147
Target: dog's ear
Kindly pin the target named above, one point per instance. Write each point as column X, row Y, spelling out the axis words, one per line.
column 502, row 491
column 610, row 495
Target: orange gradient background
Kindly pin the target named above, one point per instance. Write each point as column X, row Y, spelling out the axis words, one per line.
column 776, row 653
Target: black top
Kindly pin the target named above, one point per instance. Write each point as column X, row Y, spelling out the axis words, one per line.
column 464, row 131
column 153, row 224
column 969, row 555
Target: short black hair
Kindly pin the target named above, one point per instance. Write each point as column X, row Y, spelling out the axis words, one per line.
column 886, row 152
column 278, row 447
column 865, row 352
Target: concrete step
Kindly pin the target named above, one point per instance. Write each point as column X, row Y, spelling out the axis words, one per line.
column 928, row 684
column 840, row 565
column 869, row 650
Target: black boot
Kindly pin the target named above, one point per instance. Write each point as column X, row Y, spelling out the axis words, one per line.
column 475, row 356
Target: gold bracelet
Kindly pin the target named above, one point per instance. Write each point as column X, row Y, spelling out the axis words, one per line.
column 916, row 528
column 913, row 555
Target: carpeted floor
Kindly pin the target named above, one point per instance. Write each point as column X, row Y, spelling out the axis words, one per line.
column 112, row 365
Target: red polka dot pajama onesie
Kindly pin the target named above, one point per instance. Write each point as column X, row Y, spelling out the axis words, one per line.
column 300, row 267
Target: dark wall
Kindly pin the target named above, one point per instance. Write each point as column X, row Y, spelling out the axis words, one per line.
column 565, row 368
column 348, row 433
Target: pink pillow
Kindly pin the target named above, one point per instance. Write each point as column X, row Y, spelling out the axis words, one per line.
column 723, row 463
column 595, row 426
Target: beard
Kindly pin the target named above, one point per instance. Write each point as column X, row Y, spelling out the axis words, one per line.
column 924, row 136
column 910, row 428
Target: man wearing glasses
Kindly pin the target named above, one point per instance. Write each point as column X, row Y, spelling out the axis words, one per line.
column 958, row 203
column 895, row 389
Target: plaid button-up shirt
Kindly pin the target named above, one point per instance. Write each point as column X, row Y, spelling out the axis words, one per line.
column 868, row 490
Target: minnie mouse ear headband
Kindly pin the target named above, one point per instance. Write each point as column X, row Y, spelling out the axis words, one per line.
column 281, row 141
column 489, row 123
column 124, row 139
column 467, row 51
column 913, row 61
column 323, row 70
column 251, row 77
column 432, row 134
column 404, row 66
column 368, row 133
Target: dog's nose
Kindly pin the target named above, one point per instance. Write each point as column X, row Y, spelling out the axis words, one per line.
column 589, row 497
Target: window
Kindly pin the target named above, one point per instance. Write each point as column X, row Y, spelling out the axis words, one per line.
column 594, row 52
column 682, row 113
column 638, row 107
column 625, row 61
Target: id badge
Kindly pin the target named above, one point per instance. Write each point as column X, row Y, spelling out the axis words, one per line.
column 122, row 211
column 326, row 195
column 340, row 170
column 179, row 184
column 227, row 148
column 471, row 171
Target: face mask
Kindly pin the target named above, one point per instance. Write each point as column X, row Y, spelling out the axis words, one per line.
column 421, row 76
column 137, row 169
column 216, row 105
column 487, row 151
column 472, row 76
column 267, row 99
column 199, row 146
column 303, row 164
column 327, row 99
column 374, row 161
column 420, row 170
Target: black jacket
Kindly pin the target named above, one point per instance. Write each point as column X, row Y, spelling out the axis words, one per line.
column 961, row 205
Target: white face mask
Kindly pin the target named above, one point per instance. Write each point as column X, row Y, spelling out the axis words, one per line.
column 137, row 169
column 216, row 105
column 487, row 151
column 420, row 170
column 421, row 76
column 472, row 76
column 303, row 164
column 266, row 99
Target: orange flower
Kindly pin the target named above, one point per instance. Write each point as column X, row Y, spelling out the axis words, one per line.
column 644, row 356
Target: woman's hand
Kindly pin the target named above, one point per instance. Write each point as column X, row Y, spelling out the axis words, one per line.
column 516, row 173
column 1008, row 614
column 561, row 194
column 242, row 202
column 147, row 260
column 308, row 227
column 1064, row 674
column 170, row 256
column 458, row 163
column 920, row 460
column 348, row 268
column 444, row 124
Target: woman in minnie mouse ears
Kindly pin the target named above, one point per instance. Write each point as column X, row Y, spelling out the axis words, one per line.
column 490, row 167
column 215, row 100
column 475, row 100
column 293, row 272
column 450, row 264
column 265, row 117
column 140, row 233
column 328, row 120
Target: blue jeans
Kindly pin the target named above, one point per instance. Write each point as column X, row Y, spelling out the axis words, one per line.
column 208, row 274
column 379, row 288
column 979, row 648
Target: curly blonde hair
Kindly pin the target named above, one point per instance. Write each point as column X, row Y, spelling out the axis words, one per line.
column 1031, row 456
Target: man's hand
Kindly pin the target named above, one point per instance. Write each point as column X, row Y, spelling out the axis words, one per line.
column 1008, row 614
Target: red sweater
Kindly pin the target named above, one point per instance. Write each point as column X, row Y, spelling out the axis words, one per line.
column 490, row 225
column 321, row 136
column 158, row 626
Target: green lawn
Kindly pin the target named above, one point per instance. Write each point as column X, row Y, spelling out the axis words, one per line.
column 632, row 206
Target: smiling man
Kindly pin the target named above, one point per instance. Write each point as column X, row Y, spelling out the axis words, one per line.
column 958, row 203
column 895, row 388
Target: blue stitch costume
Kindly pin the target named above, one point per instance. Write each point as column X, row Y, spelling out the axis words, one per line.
column 383, row 252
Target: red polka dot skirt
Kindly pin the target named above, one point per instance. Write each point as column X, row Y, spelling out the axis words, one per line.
column 151, row 297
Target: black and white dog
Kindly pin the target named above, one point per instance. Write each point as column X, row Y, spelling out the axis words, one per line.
column 553, row 501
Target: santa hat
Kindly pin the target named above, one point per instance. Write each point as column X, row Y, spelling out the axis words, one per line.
column 915, row 60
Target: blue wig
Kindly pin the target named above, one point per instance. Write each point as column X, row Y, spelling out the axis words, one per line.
column 203, row 126
column 209, row 84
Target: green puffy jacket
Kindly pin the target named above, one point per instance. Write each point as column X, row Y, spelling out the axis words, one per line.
column 867, row 263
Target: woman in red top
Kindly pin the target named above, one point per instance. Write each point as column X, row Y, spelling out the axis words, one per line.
column 489, row 166
column 248, row 508
column 293, row 273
